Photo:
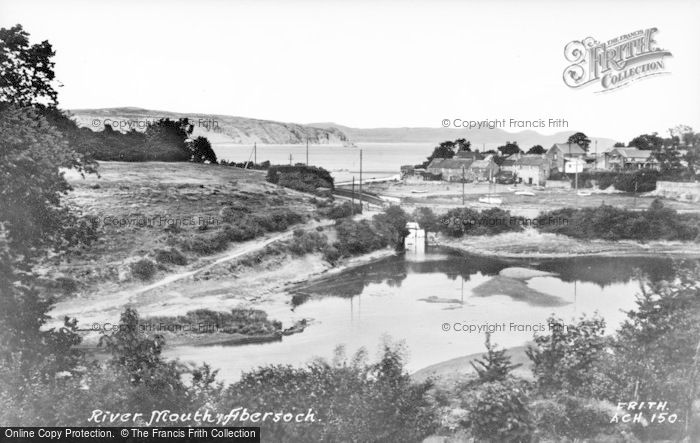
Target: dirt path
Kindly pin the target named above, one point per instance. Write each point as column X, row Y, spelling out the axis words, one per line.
column 98, row 305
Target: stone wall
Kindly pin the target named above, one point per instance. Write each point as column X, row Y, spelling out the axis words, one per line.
column 684, row 191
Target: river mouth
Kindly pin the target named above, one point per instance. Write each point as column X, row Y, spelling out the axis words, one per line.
column 439, row 304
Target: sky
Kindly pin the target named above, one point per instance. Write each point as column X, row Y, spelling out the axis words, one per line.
column 365, row 63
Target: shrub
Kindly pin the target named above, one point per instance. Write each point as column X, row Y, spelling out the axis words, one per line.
column 466, row 221
column 343, row 210
column 331, row 254
column 370, row 402
column 305, row 242
column 356, row 238
column 499, row 412
column 300, row 177
column 610, row 223
column 143, row 269
column 170, row 256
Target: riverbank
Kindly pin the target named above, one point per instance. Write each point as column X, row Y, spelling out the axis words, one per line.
column 534, row 244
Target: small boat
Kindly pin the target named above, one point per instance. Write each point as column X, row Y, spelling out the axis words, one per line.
column 418, row 191
column 538, row 188
column 513, row 188
column 491, row 200
column 527, row 193
column 584, row 193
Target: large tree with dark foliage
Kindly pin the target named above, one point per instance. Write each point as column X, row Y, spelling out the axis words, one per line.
column 202, row 151
column 537, row 149
column 26, row 70
column 580, row 139
column 647, row 142
column 170, row 135
column 509, row 148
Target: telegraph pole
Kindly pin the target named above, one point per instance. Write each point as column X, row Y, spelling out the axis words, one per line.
column 352, row 198
column 255, row 152
column 290, row 159
column 596, row 155
column 360, row 180
column 463, row 185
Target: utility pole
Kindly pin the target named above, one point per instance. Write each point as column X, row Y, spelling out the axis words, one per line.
column 307, row 151
column 462, row 185
column 596, row 155
column 352, row 198
column 360, row 180
column 290, row 159
column 255, row 153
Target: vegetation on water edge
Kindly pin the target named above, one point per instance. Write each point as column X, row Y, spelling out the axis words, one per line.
column 206, row 321
column 610, row 223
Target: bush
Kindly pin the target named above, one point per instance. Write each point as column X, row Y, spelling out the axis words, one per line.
column 610, row 223
column 465, row 221
column 331, row 254
column 356, row 238
column 351, row 400
column 499, row 413
column 343, row 210
column 306, row 242
column 171, row 256
column 143, row 269
column 278, row 220
column 300, row 177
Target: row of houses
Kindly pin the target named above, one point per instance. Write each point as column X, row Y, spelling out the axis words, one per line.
column 533, row 168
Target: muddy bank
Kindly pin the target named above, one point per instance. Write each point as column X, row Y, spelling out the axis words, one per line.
column 534, row 244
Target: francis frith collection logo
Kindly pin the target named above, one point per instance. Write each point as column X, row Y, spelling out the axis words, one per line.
column 614, row 63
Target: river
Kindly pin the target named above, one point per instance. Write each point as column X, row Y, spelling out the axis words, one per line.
column 412, row 297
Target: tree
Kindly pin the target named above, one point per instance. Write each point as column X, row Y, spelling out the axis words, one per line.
column 463, row 144
column 26, row 71
column 537, row 149
column 647, row 142
column 31, row 155
column 580, row 139
column 498, row 412
column 446, row 149
column 618, row 145
column 495, row 365
column 170, row 135
column 202, row 151
column 509, row 148
column 656, row 348
column 565, row 360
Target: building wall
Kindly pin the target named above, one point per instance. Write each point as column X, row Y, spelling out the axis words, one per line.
column 678, row 190
column 531, row 172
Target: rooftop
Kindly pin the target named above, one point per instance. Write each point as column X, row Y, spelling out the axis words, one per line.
column 568, row 148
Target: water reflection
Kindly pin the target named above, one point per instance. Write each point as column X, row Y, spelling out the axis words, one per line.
column 602, row 271
column 412, row 298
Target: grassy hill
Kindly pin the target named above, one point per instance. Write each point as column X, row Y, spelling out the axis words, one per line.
column 215, row 127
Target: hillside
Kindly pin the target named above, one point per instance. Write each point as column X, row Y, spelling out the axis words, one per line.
column 240, row 130
column 217, row 128
column 488, row 138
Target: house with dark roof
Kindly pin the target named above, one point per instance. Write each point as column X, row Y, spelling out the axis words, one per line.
column 452, row 169
column 618, row 159
column 484, row 169
column 508, row 166
column 559, row 152
column 469, row 154
column 532, row 169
